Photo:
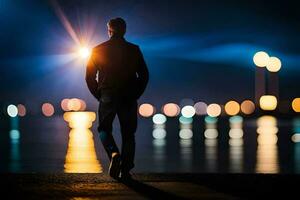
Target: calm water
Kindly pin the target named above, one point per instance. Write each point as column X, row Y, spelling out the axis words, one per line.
column 236, row 145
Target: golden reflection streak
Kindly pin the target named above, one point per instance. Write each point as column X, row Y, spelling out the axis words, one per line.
column 81, row 154
column 267, row 150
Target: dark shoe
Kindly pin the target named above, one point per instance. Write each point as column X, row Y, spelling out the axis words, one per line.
column 115, row 166
column 126, row 176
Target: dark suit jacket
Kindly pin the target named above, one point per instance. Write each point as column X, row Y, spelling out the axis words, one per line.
column 117, row 67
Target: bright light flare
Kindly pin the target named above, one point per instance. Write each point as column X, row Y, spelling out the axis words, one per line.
column 84, row 52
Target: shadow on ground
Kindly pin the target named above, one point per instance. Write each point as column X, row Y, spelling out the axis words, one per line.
column 148, row 186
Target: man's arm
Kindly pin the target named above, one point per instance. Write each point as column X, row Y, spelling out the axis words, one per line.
column 142, row 74
column 90, row 77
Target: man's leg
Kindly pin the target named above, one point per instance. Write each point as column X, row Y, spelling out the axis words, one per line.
column 127, row 113
column 106, row 114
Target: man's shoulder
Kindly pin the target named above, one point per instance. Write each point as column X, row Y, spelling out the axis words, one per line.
column 132, row 45
column 108, row 43
column 101, row 45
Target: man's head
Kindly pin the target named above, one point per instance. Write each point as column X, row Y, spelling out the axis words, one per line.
column 116, row 27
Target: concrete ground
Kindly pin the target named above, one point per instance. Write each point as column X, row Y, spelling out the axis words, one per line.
column 148, row 186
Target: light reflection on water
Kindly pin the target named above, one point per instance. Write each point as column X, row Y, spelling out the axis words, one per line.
column 204, row 145
column 186, row 154
column 15, row 150
column 296, row 140
column 81, row 154
column 211, row 143
column 267, row 150
column 236, row 155
column 236, row 143
column 159, row 154
column 211, row 154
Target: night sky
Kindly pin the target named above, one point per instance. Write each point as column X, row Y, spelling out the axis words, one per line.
column 194, row 49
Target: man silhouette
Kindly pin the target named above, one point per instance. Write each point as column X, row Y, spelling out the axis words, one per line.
column 117, row 76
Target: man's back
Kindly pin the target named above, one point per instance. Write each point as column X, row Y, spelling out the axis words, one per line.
column 121, row 67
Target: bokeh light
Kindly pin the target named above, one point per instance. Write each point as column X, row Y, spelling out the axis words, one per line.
column 247, row 107
column 171, row 110
column 232, row 108
column 268, row 102
column 146, row 110
column 74, row 104
column 296, row 137
column 296, row 130
column 296, row 104
column 200, row 108
column 267, row 150
column 82, row 105
column 261, row 59
column 236, row 142
column 236, row 122
column 159, row 119
column 274, row 64
column 267, row 139
column 12, row 110
column 214, row 110
column 266, row 121
column 14, row 134
column 21, row 110
column 236, row 119
column 211, row 144
column 186, row 133
column 267, row 130
column 185, row 120
column 47, row 109
column 188, row 111
column 80, row 120
column 159, row 133
column 210, row 120
column 211, row 133
column 236, row 133
column 64, row 104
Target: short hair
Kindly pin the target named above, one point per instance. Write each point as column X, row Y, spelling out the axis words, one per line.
column 117, row 26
